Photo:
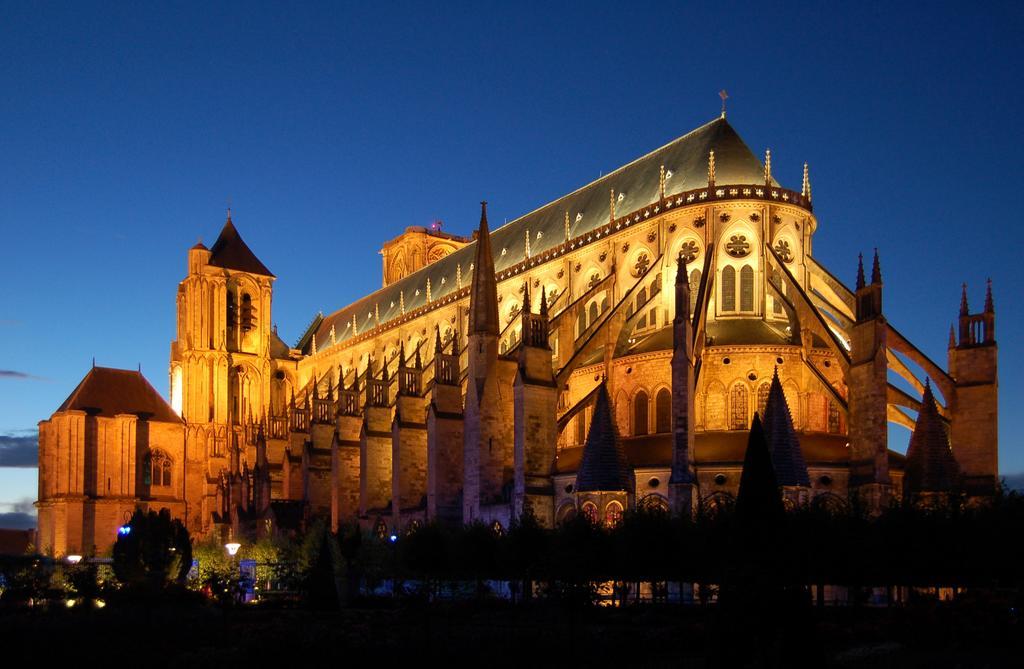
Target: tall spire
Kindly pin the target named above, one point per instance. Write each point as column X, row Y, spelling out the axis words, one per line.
column 787, row 456
column 931, row 466
column 711, row 169
column 876, row 270
column 543, row 302
column 805, row 190
column 483, row 295
column 527, row 302
column 989, row 306
column 860, row 271
column 567, row 225
column 768, row 167
column 963, row 301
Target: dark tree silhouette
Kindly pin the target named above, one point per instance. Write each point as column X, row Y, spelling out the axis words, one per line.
column 154, row 551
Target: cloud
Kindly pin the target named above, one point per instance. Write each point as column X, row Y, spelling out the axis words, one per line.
column 17, row 521
column 21, row 376
column 19, row 450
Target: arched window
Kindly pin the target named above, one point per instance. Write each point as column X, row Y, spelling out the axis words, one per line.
column 581, row 322
column 589, row 511
column 663, row 411
column 641, row 297
column 694, row 288
column 762, row 397
column 232, row 316
column 248, row 315
column 738, row 408
column 592, row 314
column 640, row 402
column 747, row 288
column 776, row 302
column 613, row 514
column 728, row 288
column 156, row 469
column 833, row 417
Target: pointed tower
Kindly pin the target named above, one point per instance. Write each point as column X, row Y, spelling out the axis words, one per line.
column 487, row 434
column 445, row 435
column 787, row 456
column 758, row 503
column 604, row 481
column 868, row 393
column 483, row 307
column 973, row 408
column 535, row 399
column 683, row 480
column 931, row 469
column 221, row 353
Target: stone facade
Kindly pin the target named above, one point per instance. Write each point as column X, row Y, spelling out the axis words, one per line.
column 463, row 390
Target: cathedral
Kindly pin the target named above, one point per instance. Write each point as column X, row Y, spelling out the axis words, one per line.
column 605, row 352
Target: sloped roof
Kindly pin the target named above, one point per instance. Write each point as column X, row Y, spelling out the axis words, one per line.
column 930, row 465
column 787, row 457
column 230, row 252
column 108, row 392
column 637, row 183
column 603, row 465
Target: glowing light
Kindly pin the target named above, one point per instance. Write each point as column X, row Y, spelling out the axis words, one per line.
column 232, row 548
column 124, row 530
column 394, row 538
column 74, row 559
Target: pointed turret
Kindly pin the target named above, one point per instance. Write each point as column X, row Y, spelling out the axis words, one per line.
column 483, row 295
column 952, row 336
column 682, row 480
column 544, row 302
column 805, row 189
column 604, row 466
column 876, row 270
column 989, row 306
column 964, row 309
column 931, row 467
column 758, row 503
column 860, row 271
column 787, row 456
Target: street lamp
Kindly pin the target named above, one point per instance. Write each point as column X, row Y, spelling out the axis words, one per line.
column 74, row 559
column 232, row 548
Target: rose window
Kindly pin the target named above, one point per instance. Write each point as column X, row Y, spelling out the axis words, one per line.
column 643, row 261
column 783, row 250
column 738, row 246
column 689, row 251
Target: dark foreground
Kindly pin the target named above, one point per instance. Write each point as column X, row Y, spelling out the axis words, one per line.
column 187, row 634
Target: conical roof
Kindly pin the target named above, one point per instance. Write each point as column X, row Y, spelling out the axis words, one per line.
column 758, row 501
column 787, row 457
column 931, row 466
column 603, row 466
column 230, row 252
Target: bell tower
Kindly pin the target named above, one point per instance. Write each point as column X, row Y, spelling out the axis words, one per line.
column 220, row 359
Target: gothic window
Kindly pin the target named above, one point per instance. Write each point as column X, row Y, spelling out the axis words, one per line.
column 156, row 469
column 737, row 246
column 643, row 261
column 640, row 402
column 613, row 514
column 833, row 417
column 689, row 250
column 581, row 322
column 231, row 311
column 747, row 288
column 694, row 288
column 762, row 397
column 641, row 298
column 776, row 302
column 663, row 411
column 592, row 314
column 589, row 511
column 784, row 251
column 738, row 408
column 728, row 288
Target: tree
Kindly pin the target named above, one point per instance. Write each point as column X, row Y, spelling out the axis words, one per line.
column 152, row 550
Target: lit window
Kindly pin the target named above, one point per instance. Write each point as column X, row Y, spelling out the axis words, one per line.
column 156, row 469
column 613, row 514
column 738, row 408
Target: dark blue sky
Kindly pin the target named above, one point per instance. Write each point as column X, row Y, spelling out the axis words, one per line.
column 125, row 130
